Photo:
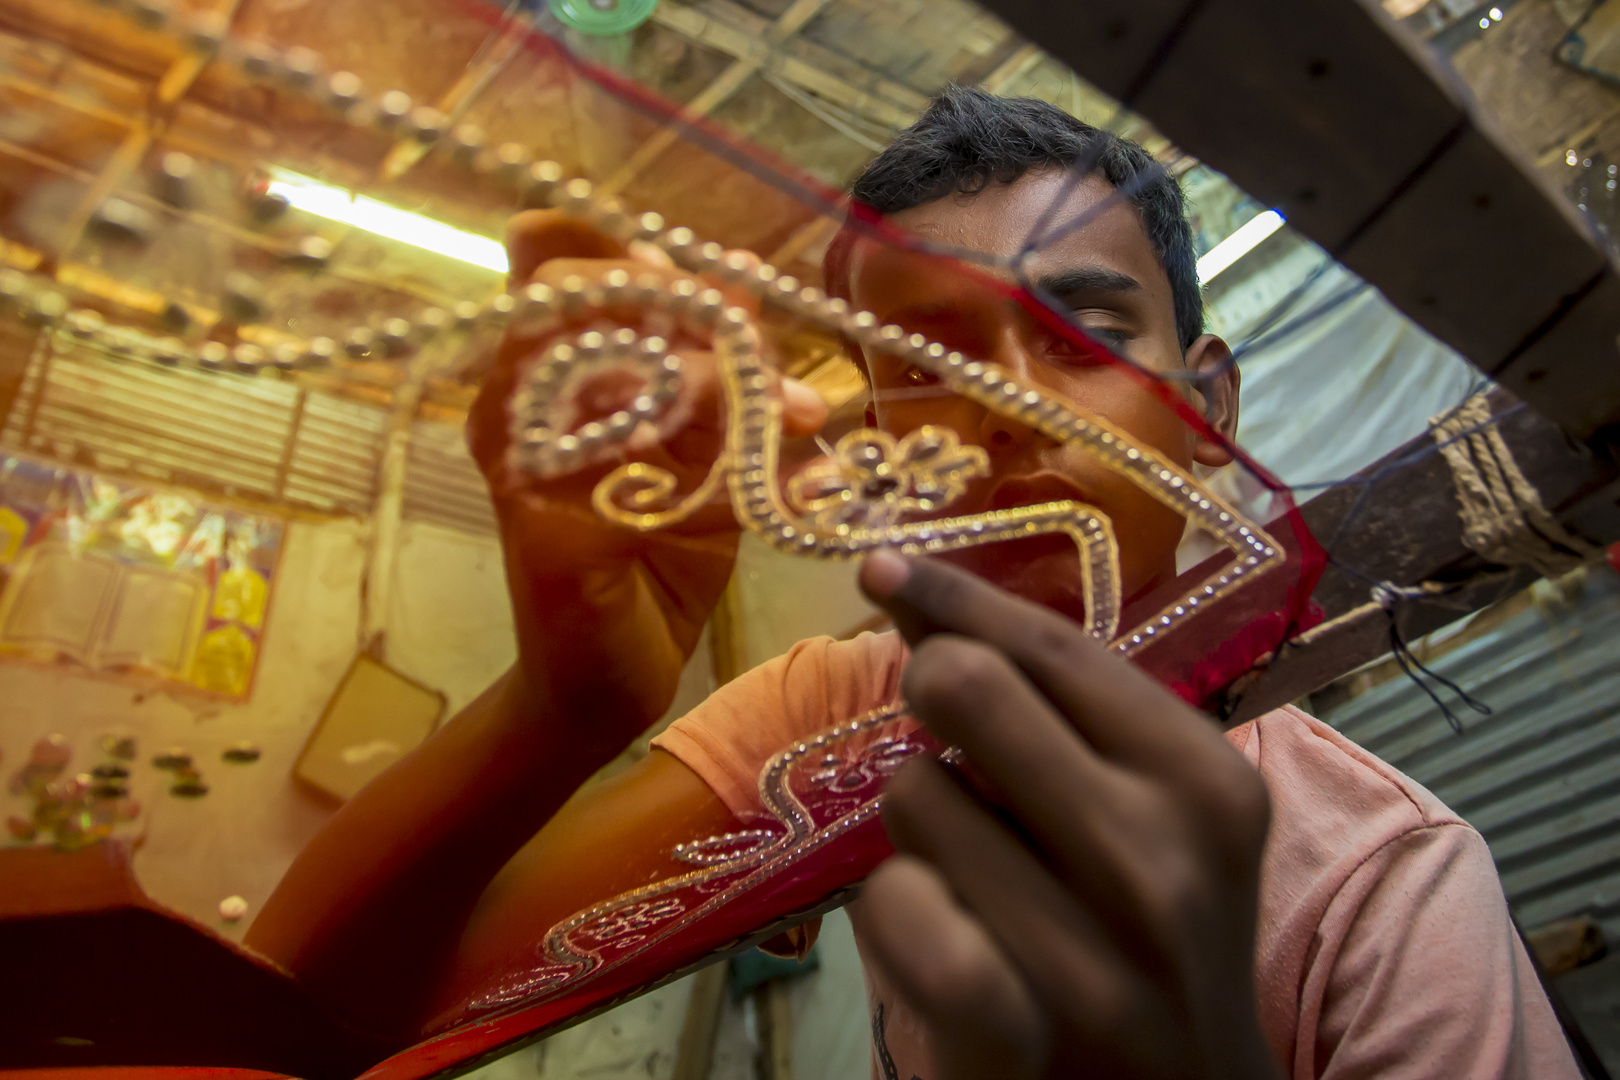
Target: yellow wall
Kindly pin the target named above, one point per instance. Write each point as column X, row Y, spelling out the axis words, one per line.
column 449, row 627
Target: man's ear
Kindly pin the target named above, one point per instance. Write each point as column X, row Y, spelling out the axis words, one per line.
column 1215, row 388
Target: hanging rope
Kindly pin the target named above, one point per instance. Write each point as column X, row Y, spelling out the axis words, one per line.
column 1503, row 518
column 1389, row 596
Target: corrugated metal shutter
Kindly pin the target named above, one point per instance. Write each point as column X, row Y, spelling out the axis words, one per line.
column 442, row 485
column 216, row 431
column 1540, row 777
column 334, row 454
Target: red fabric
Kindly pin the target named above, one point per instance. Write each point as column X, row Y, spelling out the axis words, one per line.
column 142, row 1072
column 100, row 976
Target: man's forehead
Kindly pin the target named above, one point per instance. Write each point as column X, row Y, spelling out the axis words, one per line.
column 998, row 221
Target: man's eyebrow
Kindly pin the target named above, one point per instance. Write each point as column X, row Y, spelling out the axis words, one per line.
column 1066, row 284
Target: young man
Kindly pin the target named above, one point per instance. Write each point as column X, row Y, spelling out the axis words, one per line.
column 1099, row 892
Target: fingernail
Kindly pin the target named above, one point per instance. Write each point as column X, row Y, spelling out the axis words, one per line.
column 885, row 572
column 796, row 392
column 651, row 254
column 803, row 403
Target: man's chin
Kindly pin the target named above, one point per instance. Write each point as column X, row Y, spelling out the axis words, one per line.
column 1042, row 569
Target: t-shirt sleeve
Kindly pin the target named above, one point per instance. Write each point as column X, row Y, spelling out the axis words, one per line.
column 1420, row 973
column 819, row 682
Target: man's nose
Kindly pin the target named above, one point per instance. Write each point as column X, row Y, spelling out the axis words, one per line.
column 1000, row 434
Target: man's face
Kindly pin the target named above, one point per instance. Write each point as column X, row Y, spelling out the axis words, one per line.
column 1107, row 276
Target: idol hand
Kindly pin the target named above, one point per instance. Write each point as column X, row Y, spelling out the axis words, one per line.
column 607, row 616
column 1079, row 899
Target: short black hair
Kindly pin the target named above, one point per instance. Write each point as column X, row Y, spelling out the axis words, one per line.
column 968, row 139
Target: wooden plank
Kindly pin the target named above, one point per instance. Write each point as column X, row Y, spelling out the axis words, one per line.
column 694, row 1055
column 775, row 1003
column 1371, row 149
column 1115, row 44
column 1482, row 255
column 1339, row 112
column 1542, row 369
column 1409, row 529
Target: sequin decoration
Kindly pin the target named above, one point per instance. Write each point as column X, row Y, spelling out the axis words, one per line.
column 854, row 500
column 806, row 813
column 241, row 753
column 873, row 480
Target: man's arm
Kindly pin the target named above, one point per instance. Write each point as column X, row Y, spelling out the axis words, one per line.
column 371, row 914
column 1418, row 972
column 612, row 836
column 391, row 916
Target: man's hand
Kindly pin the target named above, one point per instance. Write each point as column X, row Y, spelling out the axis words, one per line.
column 1079, row 897
column 606, row 616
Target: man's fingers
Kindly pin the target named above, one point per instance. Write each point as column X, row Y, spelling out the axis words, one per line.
column 1053, row 940
column 651, row 254
column 538, row 236
column 982, row 1020
column 547, row 247
column 1114, row 705
column 804, row 411
column 1062, row 794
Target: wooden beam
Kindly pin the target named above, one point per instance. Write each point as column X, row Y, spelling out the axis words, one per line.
column 238, row 234
column 1575, row 138
column 1407, row 530
column 504, row 44
column 773, row 1003
column 178, row 79
column 816, row 231
column 388, row 504
column 1016, row 65
column 1371, row 149
column 738, row 32
column 708, row 99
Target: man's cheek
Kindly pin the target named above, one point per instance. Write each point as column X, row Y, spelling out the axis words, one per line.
column 1116, row 397
column 1154, row 424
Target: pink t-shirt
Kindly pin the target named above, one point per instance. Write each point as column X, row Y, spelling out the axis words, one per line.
column 1384, row 946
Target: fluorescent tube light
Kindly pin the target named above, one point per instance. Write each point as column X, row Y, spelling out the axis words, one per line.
column 336, row 204
column 1239, row 244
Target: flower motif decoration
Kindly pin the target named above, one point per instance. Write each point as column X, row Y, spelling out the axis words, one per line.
column 629, row 920
column 873, row 480
column 879, row 762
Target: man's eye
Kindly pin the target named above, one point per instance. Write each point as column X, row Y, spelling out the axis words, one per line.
column 1077, row 353
column 1114, row 339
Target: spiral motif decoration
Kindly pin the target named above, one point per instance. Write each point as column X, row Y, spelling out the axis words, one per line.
column 544, row 437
